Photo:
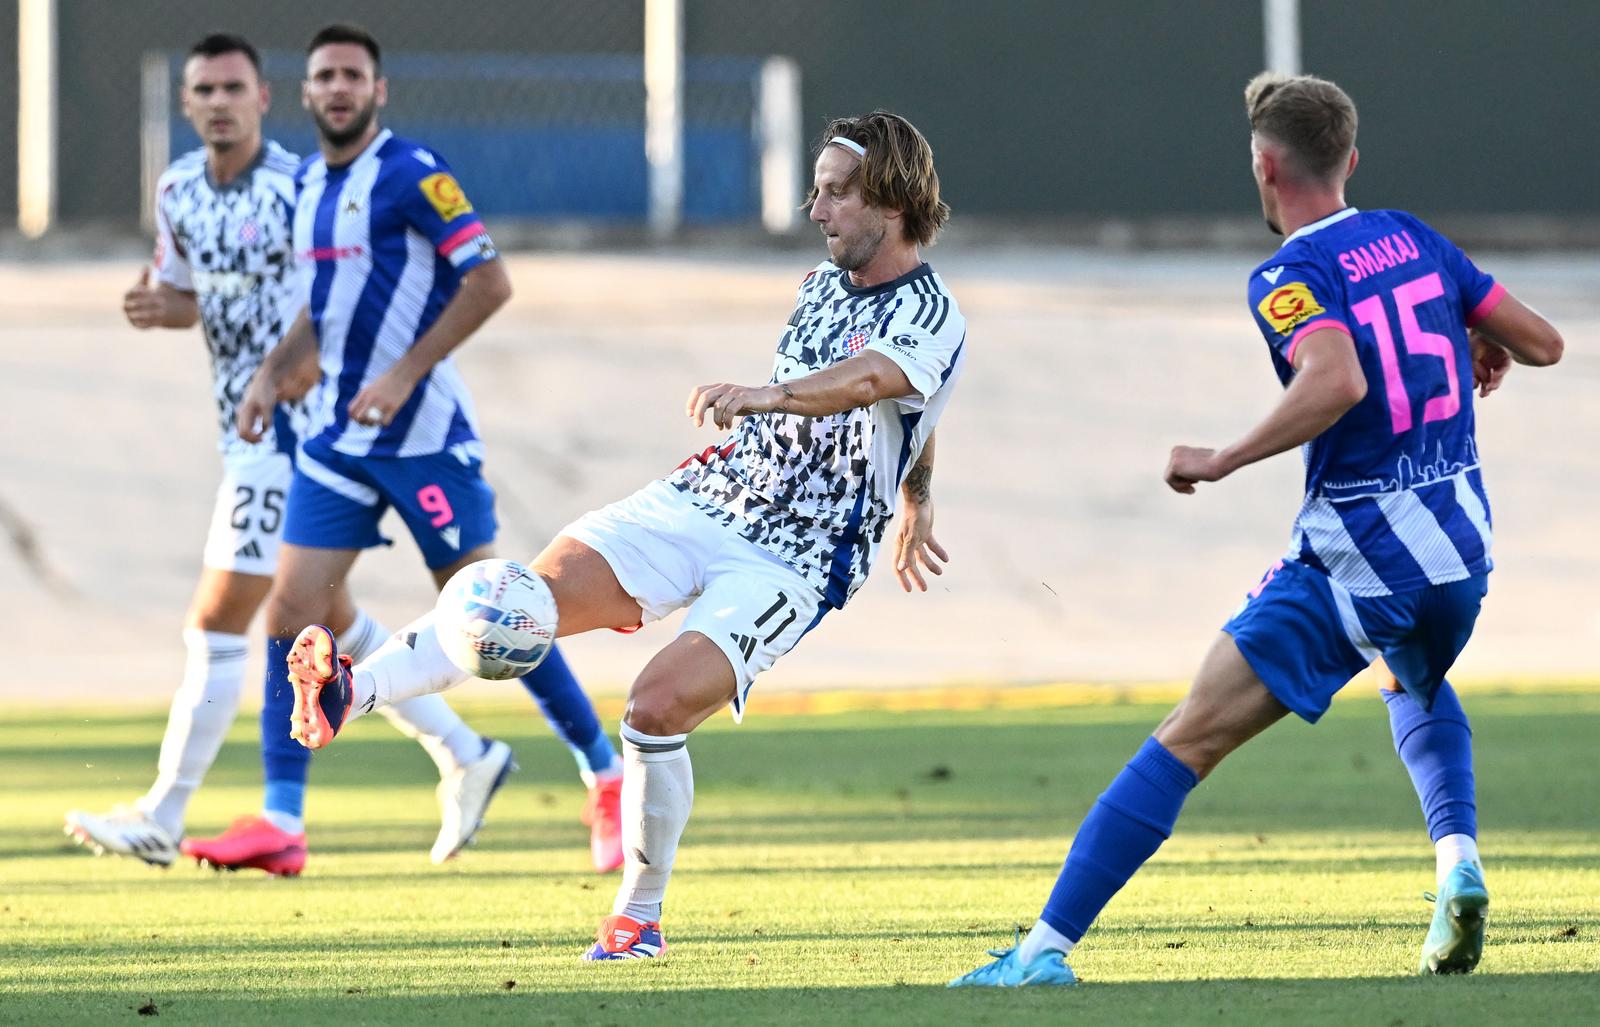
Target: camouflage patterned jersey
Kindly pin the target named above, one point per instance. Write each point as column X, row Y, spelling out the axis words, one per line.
column 230, row 245
column 819, row 492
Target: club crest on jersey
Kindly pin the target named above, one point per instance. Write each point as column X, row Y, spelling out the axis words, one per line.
column 445, row 195
column 1288, row 306
column 854, row 340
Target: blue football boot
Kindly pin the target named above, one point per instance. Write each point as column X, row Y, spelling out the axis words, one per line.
column 1455, row 941
column 1008, row 971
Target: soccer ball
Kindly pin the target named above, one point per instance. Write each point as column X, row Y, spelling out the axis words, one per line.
column 495, row 619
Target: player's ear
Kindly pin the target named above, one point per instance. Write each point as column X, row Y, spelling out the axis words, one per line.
column 1355, row 158
column 264, row 98
column 381, row 92
column 305, row 93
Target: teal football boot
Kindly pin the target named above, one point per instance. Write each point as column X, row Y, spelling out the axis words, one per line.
column 1007, row 971
column 1455, row 941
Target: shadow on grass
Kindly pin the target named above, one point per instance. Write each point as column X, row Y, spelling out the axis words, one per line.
column 632, row 994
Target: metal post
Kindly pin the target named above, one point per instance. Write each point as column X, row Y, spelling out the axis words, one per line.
column 663, row 112
column 778, row 106
column 36, row 116
column 155, row 130
column 1281, row 27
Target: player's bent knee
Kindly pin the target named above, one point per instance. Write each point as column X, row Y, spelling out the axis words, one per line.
column 658, row 714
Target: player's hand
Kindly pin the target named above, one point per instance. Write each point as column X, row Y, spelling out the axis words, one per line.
column 914, row 543
column 380, row 399
column 1490, row 362
column 254, row 413
column 143, row 305
column 1190, row 465
column 726, row 403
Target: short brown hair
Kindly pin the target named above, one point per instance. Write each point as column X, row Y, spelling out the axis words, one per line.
column 897, row 171
column 347, row 32
column 1311, row 117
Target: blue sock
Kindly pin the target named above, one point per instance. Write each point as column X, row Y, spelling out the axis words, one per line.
column 284, row 761
column 1127, row 825
column 1436, row 747
column 570, row 713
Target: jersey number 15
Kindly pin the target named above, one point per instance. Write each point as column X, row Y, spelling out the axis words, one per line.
column 1407, row 298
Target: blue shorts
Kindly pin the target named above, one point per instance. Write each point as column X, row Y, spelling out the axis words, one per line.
column 1306, row 636
column 336, row 502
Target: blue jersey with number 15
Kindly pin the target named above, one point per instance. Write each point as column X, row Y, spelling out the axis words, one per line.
column 1394, row 495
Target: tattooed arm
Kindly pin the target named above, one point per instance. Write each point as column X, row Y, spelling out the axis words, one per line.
column 914, row 541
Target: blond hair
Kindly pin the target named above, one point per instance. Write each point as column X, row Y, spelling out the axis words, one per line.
column 1310, row 117
column 896, row 173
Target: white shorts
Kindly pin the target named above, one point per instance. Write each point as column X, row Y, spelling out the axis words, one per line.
column 667, row 554
column 247, row 523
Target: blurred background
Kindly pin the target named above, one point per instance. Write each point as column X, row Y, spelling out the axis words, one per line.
column 643, row 163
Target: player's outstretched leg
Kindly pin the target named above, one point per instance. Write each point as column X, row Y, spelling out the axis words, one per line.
column 1436, row 748
column 1226, row 706
column 573, row 719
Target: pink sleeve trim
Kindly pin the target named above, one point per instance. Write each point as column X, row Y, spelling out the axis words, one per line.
column 1486, row 306
column 1313, row 326
column 460, row 238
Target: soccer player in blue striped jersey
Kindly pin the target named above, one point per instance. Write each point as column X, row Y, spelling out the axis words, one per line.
column 401, row 272
column 1378, row 328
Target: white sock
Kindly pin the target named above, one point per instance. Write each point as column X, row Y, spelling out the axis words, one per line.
column 287, row 822
column 611, row 773
column 430, row 722
column 363, row 637
column 410, row 663
column 1043, row 938
column 202, row 711
column 1452, row 849
column 657, row 793
column 427, row 720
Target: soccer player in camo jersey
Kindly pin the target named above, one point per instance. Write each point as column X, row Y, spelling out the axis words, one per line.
column 759, row 536
column 1378, row 327
column 400, row 272
column 224, row 258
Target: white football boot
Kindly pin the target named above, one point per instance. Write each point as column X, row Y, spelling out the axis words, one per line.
column 124, row 831
column 464, row 796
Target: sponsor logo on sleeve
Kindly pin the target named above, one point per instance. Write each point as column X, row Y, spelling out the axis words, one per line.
column 445, row 196
column 1288, row 306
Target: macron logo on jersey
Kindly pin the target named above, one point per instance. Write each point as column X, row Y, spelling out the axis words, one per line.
column 1272, row 274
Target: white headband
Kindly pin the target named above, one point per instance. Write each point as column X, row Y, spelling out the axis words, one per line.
column 851, row 145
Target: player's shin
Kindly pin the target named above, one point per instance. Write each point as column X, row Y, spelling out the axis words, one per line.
column 427, row 720
column 657, row 794
column 202, row 711
column 1126, row 826
column 284, row 761
column 1436, row 748
column 409, row 664
column 572, row 716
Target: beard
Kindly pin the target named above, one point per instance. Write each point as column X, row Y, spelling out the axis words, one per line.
column 351, row 132
column 1277, row 229
column 856, row 254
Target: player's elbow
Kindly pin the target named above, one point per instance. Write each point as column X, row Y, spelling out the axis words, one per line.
column 492, row 284
column 1545, row 350
column 1350, row 388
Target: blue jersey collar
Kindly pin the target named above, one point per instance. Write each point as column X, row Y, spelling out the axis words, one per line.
column 1317, row 226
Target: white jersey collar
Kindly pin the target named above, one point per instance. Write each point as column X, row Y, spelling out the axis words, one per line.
column 1317, row 226
column 372, row 147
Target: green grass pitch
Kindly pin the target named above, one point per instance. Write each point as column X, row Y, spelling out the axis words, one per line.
column 838, row 869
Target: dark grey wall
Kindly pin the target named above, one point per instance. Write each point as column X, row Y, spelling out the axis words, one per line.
column 1477, row 108
column 1035, row 108
column 8, row 112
